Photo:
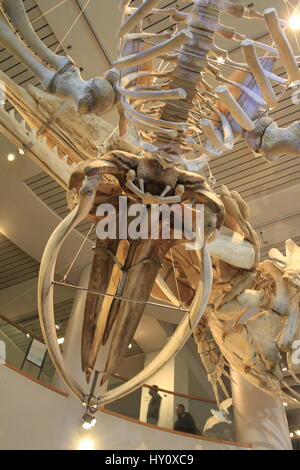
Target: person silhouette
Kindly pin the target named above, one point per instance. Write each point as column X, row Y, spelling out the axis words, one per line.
column 185, row 422
column 154, row 405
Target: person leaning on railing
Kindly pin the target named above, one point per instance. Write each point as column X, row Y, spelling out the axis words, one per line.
column 154, row 406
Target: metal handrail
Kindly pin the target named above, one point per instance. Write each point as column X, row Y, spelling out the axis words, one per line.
column 124, row 379
column 24, row 330
column 182, row 395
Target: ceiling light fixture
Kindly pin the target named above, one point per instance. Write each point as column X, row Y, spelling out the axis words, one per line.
column 61, row 340
column 294, row 22
column 89, row 421
column 11, row 157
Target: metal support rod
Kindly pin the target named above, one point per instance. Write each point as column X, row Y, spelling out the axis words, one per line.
column 143, row 302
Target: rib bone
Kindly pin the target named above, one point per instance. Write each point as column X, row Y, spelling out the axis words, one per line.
column 137, row 16
column 17, row 15
column 10, row 41
column 282, row 44
column 155, row 51
column 259, row 74
column 235, row 109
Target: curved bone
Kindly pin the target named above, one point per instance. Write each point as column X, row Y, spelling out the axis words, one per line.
column 176, row 342
column 255, row 97
column 181, row 126
column 156, row 11
column 215, row 136
column 175, row 94
column 195, row 164
column 130, row 78
column 137, row 16
column 270, row 75
column 10, row 41
column 268, row 48
column 96, row 95
column 45, row 295
column 233, row 106
column 143, row 125
column 149, row 54
column 147, row 36
column 227, row 129
column 233, row 249
column 17, row 15
column 45, row 286
column 282, row 44
column 259, row 74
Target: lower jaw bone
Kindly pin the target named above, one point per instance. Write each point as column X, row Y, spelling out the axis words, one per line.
column 116, row 321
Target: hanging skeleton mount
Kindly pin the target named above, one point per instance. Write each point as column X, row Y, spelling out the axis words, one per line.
column 178, row 108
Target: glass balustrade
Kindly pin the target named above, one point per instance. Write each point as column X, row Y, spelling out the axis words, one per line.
column 199, row 410
column 25, row 351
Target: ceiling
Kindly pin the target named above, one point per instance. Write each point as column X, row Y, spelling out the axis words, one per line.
column 16, row 266
column 32, row 204
column 54, row 197
column 13, row 67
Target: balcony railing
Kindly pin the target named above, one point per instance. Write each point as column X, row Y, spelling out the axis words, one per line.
column 25, row 351
column 135, row 406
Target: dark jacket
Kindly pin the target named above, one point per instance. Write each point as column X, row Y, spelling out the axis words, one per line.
column 185, row 423
column 154, row 406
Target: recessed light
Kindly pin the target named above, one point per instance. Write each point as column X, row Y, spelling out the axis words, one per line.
column 11, row 157
column 294, row 22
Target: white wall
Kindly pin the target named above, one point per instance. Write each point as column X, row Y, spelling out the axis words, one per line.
column 164, row 379
column 33, row 417
column 131, row 366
